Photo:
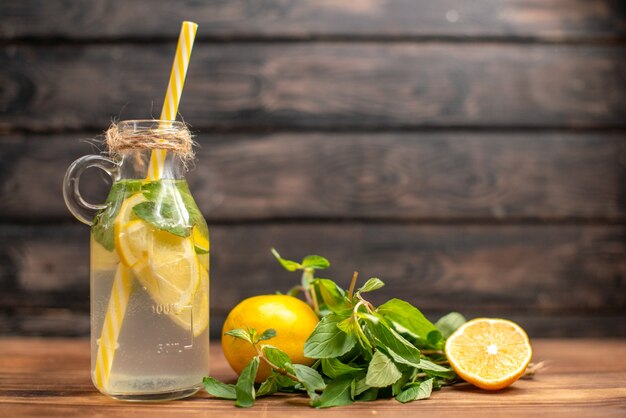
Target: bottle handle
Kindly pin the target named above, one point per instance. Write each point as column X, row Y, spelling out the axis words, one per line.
column 81, row 209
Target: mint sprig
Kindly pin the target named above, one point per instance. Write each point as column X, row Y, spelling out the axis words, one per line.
column 363, row 352
column 169, row 207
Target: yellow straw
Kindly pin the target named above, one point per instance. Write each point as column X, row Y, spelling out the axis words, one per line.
column 120, row 291
column 112, row 325
column 174, row 91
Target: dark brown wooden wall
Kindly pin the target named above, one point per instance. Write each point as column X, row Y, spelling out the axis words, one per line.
column 472, row 154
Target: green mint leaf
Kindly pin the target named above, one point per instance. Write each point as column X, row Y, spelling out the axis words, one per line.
column 163, row 216
column 103, row 232
column 347, row 325
column 240, row 333
column 267, row 334
column 327, row 340
column 396, row 388
column 285, row 384
column 315, row 262
column 435, row 338
column 352, row 327
column 370, row 285
column 417, row 391
column 334, row 368
column 195, row 216
column 337, row 393
column 406, row 318
column 433, row 369
column 278, row 358
column 382, row 371
column 175, row 193
column 332, row 295
column 359, row 386
column 287, row 264
column 268, row 386
column 310, row 378
column 370, row 394
column 103, row 223
column 450, row 323
column 218, row 389
column 399, row 349
column 200, row 250
column 244, row 388
column 152, row 190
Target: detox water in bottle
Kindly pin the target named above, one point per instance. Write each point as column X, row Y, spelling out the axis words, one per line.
column 149, row 269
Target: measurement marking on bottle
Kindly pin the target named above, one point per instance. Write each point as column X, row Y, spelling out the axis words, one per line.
column 169, row 348
column 175, row 309
column 166, row 309
column 190, row 345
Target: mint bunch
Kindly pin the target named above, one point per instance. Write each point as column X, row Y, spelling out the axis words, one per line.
column 363, row 352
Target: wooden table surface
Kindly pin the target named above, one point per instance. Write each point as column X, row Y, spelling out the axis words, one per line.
column 50, row 377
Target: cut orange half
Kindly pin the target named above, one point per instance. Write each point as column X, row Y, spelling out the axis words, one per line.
column 489, row 353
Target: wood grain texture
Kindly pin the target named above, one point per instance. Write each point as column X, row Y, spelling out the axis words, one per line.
column 427, row 176
column 267, row 19
column 320, row 86
column 584, row 378
column 470, row 153
column 531, row 273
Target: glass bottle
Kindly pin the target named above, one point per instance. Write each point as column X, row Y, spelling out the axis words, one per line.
column 149, row 271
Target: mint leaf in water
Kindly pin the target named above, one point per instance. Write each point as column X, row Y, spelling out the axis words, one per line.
column 163, row 216
column 103, row 231
column 450, row 323
column 244, row 388
column 195, row 216
column 103, row 224
column 416, row 391
column 381, row 371
column 327, row 340
column 218, row 389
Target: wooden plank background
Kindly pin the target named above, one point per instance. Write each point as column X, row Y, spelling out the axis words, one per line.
column 471, row 154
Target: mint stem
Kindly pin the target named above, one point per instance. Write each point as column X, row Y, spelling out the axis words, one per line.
column 418, row 375
column 352, row 284
column 306, row 288
column 309, row 290
column 274, row 367
column 532, row 368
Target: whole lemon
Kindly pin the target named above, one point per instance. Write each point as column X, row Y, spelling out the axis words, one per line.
column 292, row 319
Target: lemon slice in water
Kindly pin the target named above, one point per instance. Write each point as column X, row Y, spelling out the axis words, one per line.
column 167, row 266
column 200, row 241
